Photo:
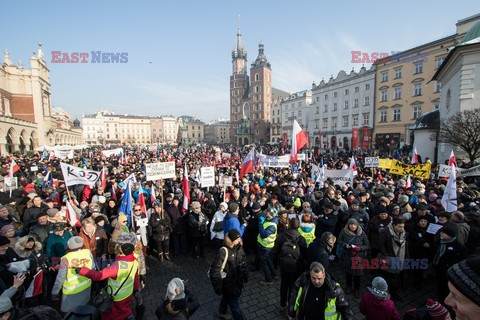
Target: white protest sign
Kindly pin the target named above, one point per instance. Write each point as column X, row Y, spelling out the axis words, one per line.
column 64, row 154
column 225, row 181
column 207, row 177
column 340, row 177
column 10, row 183
column 113, row 152
column 301, row 156
column 34, row 168
column 444, row 171
column 160, row 170
column 226, row 155
column 372, row 162
column 433, row 228
column 75, row 175
column 275, row 162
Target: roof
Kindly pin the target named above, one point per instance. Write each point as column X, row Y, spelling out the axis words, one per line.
column 429, row 120
column 468, row 44
column 472, row 34
column 279, row 93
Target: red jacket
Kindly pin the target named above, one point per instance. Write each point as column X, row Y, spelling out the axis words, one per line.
column 375, row 309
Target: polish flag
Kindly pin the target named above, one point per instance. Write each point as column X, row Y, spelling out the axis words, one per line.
column 72, row 216
column 452, row 159
column 299, row 139
column 415, row 157
column 353, row 166
column 449, row 198
column 114, row 193
column 409, row 182
column 35, row 287
column 103, row 178
column 152, row 193
column 186, row 190
column 141, row 200
column 13, row 167
column 247, row 163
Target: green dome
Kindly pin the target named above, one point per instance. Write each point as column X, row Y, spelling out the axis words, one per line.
column 473, row 33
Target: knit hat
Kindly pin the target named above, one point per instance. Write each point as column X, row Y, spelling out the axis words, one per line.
column 352, row 221
column 449, row 229
column 233, row 234
column 379, row 288
column 75, row 243
column 6, row 228
column 403, row 199
column 232, row 207
column 356, row 202
column 59, row 226
column 297, row 203
column 256, row 206
column 465, row 276
column 52, row 212
column 224, row 205
column 126, row 237
column 4, row 240
column 436, row 310
column 175, row 290
column 127, row 248
column 5, row 304
column 99, row 218
column 122, row 217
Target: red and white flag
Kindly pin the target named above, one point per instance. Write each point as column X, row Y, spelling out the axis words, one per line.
column 152, row 193
column 72, row 216
column 408, row 184
column 248, row 163
column 141, row 200
column 415, row 156
column 299, row 139
column 13, row 167
column 186, row 190
column 103, row 178
column 452, row 159
column 35, row 287
column 353, row 166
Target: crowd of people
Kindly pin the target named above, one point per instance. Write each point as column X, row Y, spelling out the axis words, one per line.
column 282, row 222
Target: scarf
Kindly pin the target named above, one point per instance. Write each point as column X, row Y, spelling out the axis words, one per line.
column 441, row 249
column 398, row 242
column 349, row 232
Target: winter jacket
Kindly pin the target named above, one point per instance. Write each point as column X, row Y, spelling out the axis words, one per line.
column 294, row 236
column 417, row 237
column 376, row 225
column 463, row 231
column 318, row 251
column 325, row 222
column 97, row 244
column 217, row 217
column 42, row 231
column 30, row 214
column 179, row 223
column 160, row 228
column 185, row 307
column 359, row 240
column 454, row 252
column 376, row 309
column 333, row 291
column 196, row 228
column 57, row 246
column 231, row 222
column 361, row 216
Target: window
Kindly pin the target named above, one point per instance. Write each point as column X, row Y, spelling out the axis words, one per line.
column 438, row 62
column 291, row 114
column 345, row 121
column 355, row 103
column 398, row 73
column 436, row 105
column 325, row 123
column 257, row 89
column 300, row 103
column 384, row 95
column 355, row 119
column 317, row 124
column 345, row 105
column 334, row 106
column 419, row 67
column 318, row 110
column 357, row 89
column 366, row 119
column 256, row 77
column 398, row 93
column 367, row 86
column 326, row 97
column 325, row 109
column 418, row 89
column 318, row 99
column 367, row 101
column 417, row 111
column 396, row 115
column 335, row 94
column 334, row 122
column 299, row 113
column 346, row 92
column 438, row 85
column 384, row 76
column 383, row 116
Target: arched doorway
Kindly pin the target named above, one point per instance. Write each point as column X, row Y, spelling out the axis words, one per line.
column 333, row 141
column 245, row 141
column 11, row 139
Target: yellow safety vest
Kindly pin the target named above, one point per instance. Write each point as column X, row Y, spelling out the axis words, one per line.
column 309, row 236
column 75, row 283
column 123, row 271
column 330, row 309
column 269, row 241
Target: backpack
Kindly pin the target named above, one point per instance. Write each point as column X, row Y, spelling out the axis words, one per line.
column 289, row 255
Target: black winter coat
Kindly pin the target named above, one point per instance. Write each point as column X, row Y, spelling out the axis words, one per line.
column 326, row 222
column 160, row 227
column 294, row 236
column 195, row 228
column 235, row 269
column 317, row 251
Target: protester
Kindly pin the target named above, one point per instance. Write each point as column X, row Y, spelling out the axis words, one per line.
column 179, row 302
column 376, row 304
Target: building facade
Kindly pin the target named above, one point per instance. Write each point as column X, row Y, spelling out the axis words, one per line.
column 295, row 107
column 26, row 120
column 342, row 106
column 217, row 132
column 276, row 121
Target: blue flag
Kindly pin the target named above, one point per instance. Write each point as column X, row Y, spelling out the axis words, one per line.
column 126, row 205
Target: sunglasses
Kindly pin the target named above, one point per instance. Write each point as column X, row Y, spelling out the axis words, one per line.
column 138, row 210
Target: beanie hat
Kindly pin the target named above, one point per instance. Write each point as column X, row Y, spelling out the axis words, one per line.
column 224, row 205
column 6, row 228
column 233, row 234
column 232, row 207
column 52, row 212
column 75, row 243
column 122, row 217
column 379, row 288
column 99, row 218
column 436, row 310
column 355, row 202
column 465, row 276
column 449, row 229
column 297, row 203
column 403, row 199
column 256, row 206
column 127, row 248
column 4, row 240
column 5, row 304
column 175, row 290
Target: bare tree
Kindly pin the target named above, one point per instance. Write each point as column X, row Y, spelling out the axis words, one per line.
column 463, row 130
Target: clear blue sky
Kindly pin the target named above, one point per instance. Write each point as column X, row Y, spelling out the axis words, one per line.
column 189, row 45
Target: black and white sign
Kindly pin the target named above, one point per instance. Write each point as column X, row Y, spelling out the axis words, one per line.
column 372, row 162
column 75, row 175
column 160, row 170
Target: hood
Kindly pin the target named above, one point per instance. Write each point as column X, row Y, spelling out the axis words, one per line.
column 20, row 247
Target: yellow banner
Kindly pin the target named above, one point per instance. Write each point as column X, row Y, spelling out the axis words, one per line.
column 414, row 170
column 384, row 163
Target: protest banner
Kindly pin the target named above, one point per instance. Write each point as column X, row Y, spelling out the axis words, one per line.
column 34, row 168
column 226, row 155
column 414, row 170
column 64, row 154
column 207, row 176
column 444, row 171
column 372, row 162
column 75, row 175
column 10, row 183
column 225, row 181
column 340, row 177
column 384, row 163
column 275, row 162
column 301, row 156
column 160, row 170
column 114, row 152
